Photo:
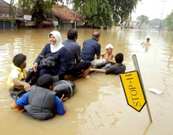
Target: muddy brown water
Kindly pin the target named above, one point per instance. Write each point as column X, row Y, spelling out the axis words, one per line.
column 99, row 106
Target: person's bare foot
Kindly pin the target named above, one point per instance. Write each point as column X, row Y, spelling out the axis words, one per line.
column 87, row 77
column 16, row 108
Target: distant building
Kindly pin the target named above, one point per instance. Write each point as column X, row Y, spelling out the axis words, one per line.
column 156, row 24
column 134, row 25
column 5, row 21
column 65, row 16
column 4, row 9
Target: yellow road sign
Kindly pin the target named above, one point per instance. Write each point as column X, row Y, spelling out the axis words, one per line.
column 133, row 90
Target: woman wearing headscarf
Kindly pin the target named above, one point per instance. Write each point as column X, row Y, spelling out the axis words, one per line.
column 52, row 59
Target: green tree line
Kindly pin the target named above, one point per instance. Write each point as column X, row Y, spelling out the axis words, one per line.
column 95, row 13
column 105, row 12
column 168, row 22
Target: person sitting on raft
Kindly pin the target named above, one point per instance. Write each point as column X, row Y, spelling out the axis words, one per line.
column 106, row 58
column 40, row 102
column 52, row 59
column 117, row 68
column 77, row 68
column 108, row 55
column 91, row 47
column 17, row 77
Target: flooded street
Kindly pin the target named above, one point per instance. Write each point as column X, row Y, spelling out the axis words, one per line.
column 99, row 105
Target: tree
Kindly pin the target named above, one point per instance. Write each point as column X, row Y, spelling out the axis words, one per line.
column 122, row 9
column 169, row 21
column 26, row 5
column 142, row 20
column 103, row 12
column 48, row 6
column 39, row 9
column 96, row 12
column 156, row 23
column 38, row 12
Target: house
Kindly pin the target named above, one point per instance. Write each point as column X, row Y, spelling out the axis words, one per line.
column 4, row 9
column 62, row 16
column 6, row 21
column 65, row 16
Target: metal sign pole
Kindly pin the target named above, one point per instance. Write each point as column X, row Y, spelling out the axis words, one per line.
column 135, row 61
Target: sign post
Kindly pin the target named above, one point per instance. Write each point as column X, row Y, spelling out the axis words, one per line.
column 134, row 89
column 135, row 62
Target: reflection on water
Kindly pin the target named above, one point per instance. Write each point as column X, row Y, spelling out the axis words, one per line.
column 99, row 106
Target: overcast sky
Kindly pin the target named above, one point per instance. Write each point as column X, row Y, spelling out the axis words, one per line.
column 152, row 8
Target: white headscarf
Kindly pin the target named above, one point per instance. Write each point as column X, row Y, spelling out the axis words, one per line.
column 109, row 46
column 58, row 45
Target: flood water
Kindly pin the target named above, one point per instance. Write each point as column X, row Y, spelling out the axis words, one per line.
column 99, row 106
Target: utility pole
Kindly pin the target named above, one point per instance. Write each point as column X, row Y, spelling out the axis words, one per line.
column 11, row 10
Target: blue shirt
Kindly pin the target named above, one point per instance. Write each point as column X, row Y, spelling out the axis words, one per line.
column 90, row 48
column 22, row 101
column 74, row 50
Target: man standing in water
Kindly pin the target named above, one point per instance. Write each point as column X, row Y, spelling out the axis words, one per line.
column 91, row 48
column 146, row 44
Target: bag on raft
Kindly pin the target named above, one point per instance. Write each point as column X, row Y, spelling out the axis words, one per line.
column 48, row 61
column 98, row 63
column 63, row 87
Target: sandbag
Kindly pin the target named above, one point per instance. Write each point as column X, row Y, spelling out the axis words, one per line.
column 63, row 87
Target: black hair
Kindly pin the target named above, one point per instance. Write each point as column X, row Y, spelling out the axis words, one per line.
column 50, row 35
column 119, row 58
column 96, row 34
column 45, row 81
column 19, row 59
column 72, row 34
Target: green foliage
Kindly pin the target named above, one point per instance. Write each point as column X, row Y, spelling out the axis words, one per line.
column 103, row 12
column 142, row 20
column 38, row 12
column 96, row 12
column 169, row 21
column 26, row 5
column 48, row 5
column 39, row 9
column 122, row 9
